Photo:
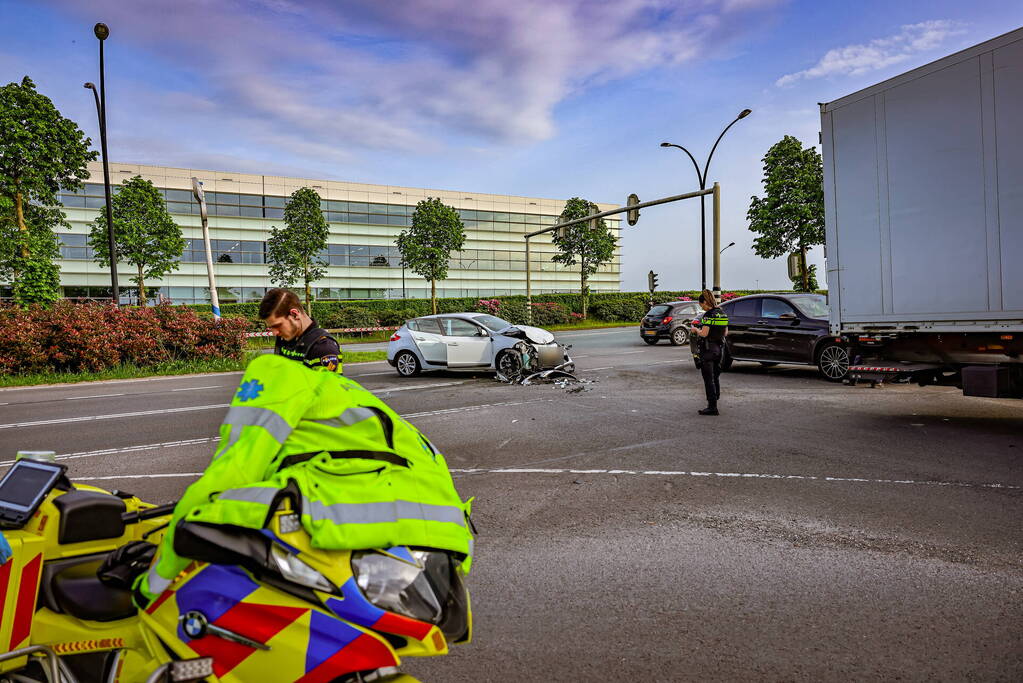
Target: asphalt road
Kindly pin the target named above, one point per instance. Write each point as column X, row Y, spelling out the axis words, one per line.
column 813, row 531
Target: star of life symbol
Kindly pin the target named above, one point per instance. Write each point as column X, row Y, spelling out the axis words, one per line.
column 249, row 390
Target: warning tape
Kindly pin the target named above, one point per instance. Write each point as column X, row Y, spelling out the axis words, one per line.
column 344, row 329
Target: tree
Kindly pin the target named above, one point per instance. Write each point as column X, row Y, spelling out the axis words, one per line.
column 589, row 247
column 145, row 235
column 791, row 215
column 807, row 282
column 426, row 246
column 40, row 152
column 295, row 251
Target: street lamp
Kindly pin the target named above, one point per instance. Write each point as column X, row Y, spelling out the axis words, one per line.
column 102, row 31
column 730, row 244
column 702, row 177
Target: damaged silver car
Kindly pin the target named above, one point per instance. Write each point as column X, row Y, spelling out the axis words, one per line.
column 474, row 341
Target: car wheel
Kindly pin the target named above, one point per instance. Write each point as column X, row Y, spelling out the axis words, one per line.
column 726, row 358
column 407, row 364
column 651, row 341
column 679, row 336
column 508, row 363
column 833, row 362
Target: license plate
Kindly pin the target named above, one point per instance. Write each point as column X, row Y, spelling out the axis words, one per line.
column 649, row 331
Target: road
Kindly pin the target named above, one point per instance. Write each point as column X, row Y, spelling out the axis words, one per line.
column 813, row 531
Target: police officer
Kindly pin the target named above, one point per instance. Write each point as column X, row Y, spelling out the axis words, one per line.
column 365, row 477
column 711, row 338
column 298, row 337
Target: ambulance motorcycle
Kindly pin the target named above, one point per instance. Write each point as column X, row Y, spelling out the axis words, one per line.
column 252, row 606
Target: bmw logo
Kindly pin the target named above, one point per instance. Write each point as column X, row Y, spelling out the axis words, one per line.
column 194, row 624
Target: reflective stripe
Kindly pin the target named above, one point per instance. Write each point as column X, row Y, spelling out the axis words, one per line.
column 381, row 513
column 350, row 417
column 236, row 433
column 157, row 584
column 251, row 494
column 251, row 416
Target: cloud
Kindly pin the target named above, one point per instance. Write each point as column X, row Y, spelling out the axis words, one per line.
column 854, row 60
column 323, row 76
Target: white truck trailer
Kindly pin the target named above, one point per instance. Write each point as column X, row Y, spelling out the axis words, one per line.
column 923, row 192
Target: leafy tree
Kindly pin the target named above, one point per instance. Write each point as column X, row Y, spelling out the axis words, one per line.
column 145, row 235
column 811, row 280
column 579, row 243
column 790, row 217
column 40, row 152
column 295, row 251
column 426, row 246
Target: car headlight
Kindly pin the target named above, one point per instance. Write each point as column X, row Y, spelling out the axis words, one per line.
column 297, row 571
column 396, row 584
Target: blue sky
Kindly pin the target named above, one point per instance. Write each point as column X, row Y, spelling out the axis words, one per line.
column 550, row 98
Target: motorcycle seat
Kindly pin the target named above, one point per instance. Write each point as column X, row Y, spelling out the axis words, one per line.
column 86, row 597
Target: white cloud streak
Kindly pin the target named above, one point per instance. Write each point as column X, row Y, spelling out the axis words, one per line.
column 854, row 60
column 330, row 78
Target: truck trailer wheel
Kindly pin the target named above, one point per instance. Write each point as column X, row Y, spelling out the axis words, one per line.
column 833, row 362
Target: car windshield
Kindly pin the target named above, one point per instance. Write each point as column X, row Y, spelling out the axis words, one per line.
column 812, row 305
column 492, row 322
column 659, row 310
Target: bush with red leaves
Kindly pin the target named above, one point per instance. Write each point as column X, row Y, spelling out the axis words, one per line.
column 90, row 337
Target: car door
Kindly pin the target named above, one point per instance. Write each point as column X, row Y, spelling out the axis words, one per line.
column 743, row 340
column 426, row 334
column 468, row 344
column 787, row 332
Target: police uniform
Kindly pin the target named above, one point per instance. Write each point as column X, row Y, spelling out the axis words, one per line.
column 710, row 348
column 366, row 478
column 314, row 347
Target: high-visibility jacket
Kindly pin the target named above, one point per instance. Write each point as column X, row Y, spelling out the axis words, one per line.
column 367, row 478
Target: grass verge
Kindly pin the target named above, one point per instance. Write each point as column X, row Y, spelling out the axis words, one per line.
column 370, row 337
column 182, row 367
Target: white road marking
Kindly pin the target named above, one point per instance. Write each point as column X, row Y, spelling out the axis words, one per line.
column 618, row 330
column 418, row 386
column 465, row 409
column 161, row 378
column 740, row 475
column 91, row 418
column 141, row 476
column 212, row 386
column 606, row 367
column 626, row 353
column 77, row 398
column 367, row 374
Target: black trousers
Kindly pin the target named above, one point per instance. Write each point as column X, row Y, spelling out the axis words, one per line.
column 710, row 368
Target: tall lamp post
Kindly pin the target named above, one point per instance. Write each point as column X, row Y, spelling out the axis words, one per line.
column 730, row 244
column 102, row 31
column 702, row 177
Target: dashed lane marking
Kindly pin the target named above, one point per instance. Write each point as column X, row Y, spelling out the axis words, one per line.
column 662, row 473
column 78, row 398
column 212, row 386
column 734, row 475
column 606, row 367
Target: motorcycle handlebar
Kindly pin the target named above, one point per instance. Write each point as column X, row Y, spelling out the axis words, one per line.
column 148, row 513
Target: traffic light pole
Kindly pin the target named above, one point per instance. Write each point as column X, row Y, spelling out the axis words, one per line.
column 716, row 191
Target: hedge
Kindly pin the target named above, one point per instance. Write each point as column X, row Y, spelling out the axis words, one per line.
column 91, row 337
column 607, row 306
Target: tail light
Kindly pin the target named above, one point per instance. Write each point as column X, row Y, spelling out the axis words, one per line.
column 667, row 319
column 395, row 337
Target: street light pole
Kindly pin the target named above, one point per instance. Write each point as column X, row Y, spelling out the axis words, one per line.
column 102, row 31
column 702, row 177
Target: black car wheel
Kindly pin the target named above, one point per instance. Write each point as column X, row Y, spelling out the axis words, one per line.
column 679, row 336
column 508, row 363
column 651, row 340
column 833, row 362
column 407, row 364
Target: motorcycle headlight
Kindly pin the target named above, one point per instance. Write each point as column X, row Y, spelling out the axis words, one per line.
column 297, row 571
column 430, row 587
column 396, row 584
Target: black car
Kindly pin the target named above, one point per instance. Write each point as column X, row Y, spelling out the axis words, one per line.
column 782, row 328
column 669, row 321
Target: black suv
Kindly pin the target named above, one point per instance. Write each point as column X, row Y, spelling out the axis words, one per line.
column 669, row 321
column 782, row 328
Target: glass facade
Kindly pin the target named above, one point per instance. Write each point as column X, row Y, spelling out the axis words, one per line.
column 358, row 265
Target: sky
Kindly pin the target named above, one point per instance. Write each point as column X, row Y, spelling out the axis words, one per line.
column 540, row 98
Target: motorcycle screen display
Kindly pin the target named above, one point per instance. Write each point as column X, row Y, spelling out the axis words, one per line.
column 23, row 489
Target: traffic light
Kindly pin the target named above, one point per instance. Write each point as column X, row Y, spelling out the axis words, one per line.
column 632, row 215
column 651, row 279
